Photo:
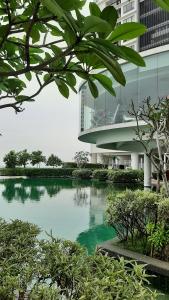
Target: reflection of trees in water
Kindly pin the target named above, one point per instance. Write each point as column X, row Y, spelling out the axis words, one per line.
column 80, row 197
column 53, row 190
column 24, row 189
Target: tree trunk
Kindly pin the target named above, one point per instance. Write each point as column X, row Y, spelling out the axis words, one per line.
column 162, row 165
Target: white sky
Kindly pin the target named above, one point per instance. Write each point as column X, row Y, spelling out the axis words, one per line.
column 50, row 124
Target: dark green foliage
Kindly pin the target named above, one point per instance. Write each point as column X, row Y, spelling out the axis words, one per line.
column 10, row 159
column 125, row 176
column 37, row 172
column 142, row 218
column 100, row 174
column 82, row 173
column 36, row 158
column 23, row 157
column 53, row 42
column 69, row 165
column 53, row 161
column 93, row 166
column 54, row 269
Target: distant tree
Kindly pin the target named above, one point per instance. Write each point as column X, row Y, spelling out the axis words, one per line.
column 10, row 159
column 23, row 158
column 81, row 158
column 37, row 158
column 53, row 161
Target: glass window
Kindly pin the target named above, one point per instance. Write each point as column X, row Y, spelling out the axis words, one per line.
column 148, row 79
column 129, row 6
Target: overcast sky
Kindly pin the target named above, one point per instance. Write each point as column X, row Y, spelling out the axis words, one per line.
column 50, row 124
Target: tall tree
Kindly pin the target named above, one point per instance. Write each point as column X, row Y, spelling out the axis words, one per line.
column 23, row 158
column 53, row 161
column 81, row 158
column 50, row 41
column 10, row 159
column 37, row 157
column 154, row 135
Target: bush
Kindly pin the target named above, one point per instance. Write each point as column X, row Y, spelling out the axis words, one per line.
column 100, row 174
column 129, row 212
column 82, row 173
column 37, row 172
column 163, row 211
column 68, row 165
column 54, row 269
column 125, row 176
column 94, row 166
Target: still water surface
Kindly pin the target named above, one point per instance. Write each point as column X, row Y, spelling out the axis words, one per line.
column 72, row 209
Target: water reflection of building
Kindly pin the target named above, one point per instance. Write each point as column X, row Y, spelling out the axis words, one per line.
column 97, row 206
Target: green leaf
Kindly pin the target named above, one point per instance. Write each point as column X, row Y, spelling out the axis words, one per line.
column 28, row 76
column 123, row 52
column 57, row 10
column 93, row 88
column 95, row 24
column 130, row 55
column 94, row 9
column 127, row 31
column 163, row 4
column 63, row 88
column 112, row 65
column 105, row 82
column 71, row 4
column 35, row 35
column 71, row 79
column 110, row 15
column 54, row 30
column 3, row 30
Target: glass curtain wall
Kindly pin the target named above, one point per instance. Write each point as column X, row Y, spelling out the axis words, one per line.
column 152, row 80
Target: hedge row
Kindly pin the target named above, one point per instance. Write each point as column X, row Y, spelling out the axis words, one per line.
column 35, row 172
column 124, row 176
column 118, row 176
column 85, row 166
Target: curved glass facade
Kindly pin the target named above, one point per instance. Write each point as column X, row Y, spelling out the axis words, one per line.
column 152, row 80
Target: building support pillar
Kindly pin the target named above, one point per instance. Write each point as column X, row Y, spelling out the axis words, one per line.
column 135, row 161
column 94, row 158
column 147, row 172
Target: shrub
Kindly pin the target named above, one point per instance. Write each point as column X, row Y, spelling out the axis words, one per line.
column 130, row 211
column 82, row 173
column 94, row 166
column 125, row 176
column 163, row 211
column 68, row 165
column 55, row 269
column 37, row 172
column 100, row 174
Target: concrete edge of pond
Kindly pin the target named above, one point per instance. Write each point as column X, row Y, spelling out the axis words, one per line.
column 151, row 264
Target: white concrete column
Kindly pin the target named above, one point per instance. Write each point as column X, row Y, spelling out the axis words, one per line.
column 94, row 158
column 135, row 161
column 147, row 172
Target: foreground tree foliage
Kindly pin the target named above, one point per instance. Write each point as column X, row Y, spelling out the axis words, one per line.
column 50, row 41
column 54, row 269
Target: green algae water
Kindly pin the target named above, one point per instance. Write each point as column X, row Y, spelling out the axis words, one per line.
column 71, row 209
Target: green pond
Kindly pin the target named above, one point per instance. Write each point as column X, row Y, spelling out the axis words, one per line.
column 72, row 209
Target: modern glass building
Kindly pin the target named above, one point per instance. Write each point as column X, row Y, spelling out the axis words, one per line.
column 106, row 121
